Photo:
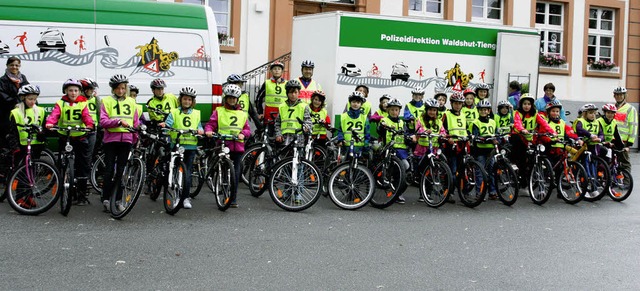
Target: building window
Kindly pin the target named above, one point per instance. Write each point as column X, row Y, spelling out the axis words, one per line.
column 550, row 22
column 222, row 11
column 429, row 8
column 601, row 35
column 487, row 10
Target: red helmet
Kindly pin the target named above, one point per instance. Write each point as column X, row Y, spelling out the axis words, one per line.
column 609, row 107
column 468, row 91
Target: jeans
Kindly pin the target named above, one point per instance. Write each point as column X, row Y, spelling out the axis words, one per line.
column 114, row 152
column 91, row 137
column 188, row 157
column 82, row 155
column 483, row 160
column 237, row 166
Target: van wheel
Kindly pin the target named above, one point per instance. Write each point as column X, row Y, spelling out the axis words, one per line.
column 63, row 51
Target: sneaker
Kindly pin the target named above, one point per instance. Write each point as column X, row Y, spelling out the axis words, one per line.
column 119, row 206
column 234, row 205
column 297, row 200
column 187, row 203
column 105, row 204
column 400, row 200
column 493, row 196
column 82, row 201
column 420, row 199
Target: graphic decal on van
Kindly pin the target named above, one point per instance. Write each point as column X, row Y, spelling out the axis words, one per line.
column 21, row 39
column 153, row 58
column 456, row 76
column 80, row 43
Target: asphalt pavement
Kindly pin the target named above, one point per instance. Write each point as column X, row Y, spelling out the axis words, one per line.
column 258, row 246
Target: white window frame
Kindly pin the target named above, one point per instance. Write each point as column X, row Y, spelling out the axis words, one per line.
column 485, row 12
column 228, row 24
column 424, row 13
column 546, row 28
column 598, row 33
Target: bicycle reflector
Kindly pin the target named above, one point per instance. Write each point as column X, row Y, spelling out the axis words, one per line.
column 181, row 150
column 540, row 147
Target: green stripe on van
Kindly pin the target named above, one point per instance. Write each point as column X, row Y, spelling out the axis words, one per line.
column 111, row 12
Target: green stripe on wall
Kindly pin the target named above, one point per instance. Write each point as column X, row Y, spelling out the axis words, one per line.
column 112, row 12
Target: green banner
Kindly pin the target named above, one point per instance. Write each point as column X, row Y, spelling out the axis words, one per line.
column 417, row 36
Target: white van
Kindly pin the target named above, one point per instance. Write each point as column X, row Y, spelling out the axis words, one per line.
column 144, row 40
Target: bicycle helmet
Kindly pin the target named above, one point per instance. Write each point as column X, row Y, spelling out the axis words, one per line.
column 553, row 104
column 526, row 96
column 503, row 103
column 292, row 84
column 133, row 88
column 418, row 91
column 308, row 64
column 619, row 90
column 393, row 102
column 609, row 107
column 483, row 104
column 320, row 94
column 431, row 103
column 456, row 97
column 357, row 96
column 589, row 106
column 29, row 89
column 276, row 64
column 117, row 80
column 235, row 78
column 158, row 83
column 385, row 96
column 71, row 82
column 232, row 90
column 439, row 93
column 188, row 91
column 469, row 91
column 88, row 83
column 482, row 86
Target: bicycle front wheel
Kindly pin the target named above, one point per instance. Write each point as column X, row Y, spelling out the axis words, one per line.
column 571, row 181
column 350, row 187
column 68, row 189
column 506, row 182
column 173, row 190
column 598, row 184
column 473, row 184
column 435, row 183
column 130, row 187
column 621, row 185
column 248, row 160
column 97, row 174
column 540, row 181
column 34, row 189
column 198, row 174
column 223, row 179
column 296, row 196
column 390, row 182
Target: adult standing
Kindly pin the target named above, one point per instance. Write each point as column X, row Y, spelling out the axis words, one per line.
column 514, row 93
column 308, row 84
column 541, row 103
column 10, row 82
column 627, row 119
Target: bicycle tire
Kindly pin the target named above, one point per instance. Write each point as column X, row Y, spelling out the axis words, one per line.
column 387, row 189
column 68, row 188
column 44, row 193
column 155, row 182
column 506, row 181
column 171, row 197
column 47, row 155
column 248, row 161
column 97, row 174
column 131, row 186
column 471, row 194
column 259, row 175
column 223, row 179
column 621, row 185
column 540, row 180
column 293, row 198
column 570, row 182
column 343, row 184
column 436, row 183
column 197, row 175
column 319, row 157
column 602, row 181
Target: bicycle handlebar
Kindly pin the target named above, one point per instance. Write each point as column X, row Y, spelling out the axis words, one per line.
column 76, row 128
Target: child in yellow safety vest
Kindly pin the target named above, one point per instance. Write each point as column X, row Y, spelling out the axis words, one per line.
column 381, row 112
column 441, row 97
column 504, row 117
column 354, row 118
column 455, row 125
column 244, row 101
column 484, row 127
column 553, row 117
column 415, row 108
column 229, row 119
column 469, row 110
column 393, row 121
column 27, row 112
column 609, row 127
column 366, row 106
column 293, row 115
column 320, row 117
column 160, row 100
column 72, row 110
column 89, row 87
column 428, row 123
column 185, row 117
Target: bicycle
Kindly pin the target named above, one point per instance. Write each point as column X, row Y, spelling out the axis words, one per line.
column 598, row 175
column 436, row 180
column 35, row 183
column 351, row 184
column 470, row 176
column 66, row 163
column 295, row 182
column 571, row 176
column 621, row 180
column 221, row 174
column 389, row 173
column 541, row 174
column 504, row 173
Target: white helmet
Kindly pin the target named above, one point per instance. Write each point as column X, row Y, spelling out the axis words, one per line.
column 232, row 90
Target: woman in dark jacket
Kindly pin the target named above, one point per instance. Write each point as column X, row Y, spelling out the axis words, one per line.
column 9, row 85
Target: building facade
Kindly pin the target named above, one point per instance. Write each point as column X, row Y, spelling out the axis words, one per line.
column 587, row 47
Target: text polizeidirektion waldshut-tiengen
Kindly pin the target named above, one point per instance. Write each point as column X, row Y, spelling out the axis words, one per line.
column 433, row 41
